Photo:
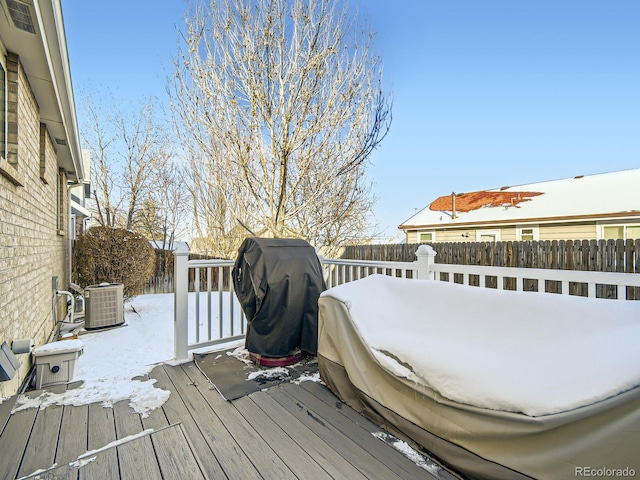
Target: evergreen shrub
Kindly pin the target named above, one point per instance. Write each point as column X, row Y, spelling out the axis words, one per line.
column 114, row 255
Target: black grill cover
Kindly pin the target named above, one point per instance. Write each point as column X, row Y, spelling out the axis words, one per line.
column 278, row 282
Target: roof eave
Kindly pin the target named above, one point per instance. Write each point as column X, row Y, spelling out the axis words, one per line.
column 51, row 25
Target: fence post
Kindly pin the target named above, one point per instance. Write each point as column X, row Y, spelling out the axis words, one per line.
column 180, row 306
column 426, row 256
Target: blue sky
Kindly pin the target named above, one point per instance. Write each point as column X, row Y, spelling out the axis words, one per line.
column 486, row 93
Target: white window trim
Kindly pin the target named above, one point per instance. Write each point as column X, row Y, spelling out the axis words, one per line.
column 8, row 170
column 61, row 182
column 494, row 232
column 624, row 226
column 536, row 232
column 432, row 232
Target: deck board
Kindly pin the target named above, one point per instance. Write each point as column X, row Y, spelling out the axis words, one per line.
column 177, row 412
column 229, row 454
column 136, row 459
column 102, row 431
column 13, row 441
column 260, row 452
column 176, row 462
column 175, row 456
column 288, row 431
column 357, row 433
column 325, row 455
column 392, row 456
column 355, row 454
column 43, row 441
column 5, row 410
column 299, row 461
column 72, row 441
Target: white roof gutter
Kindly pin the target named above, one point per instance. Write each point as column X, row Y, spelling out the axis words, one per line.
column 51, row 26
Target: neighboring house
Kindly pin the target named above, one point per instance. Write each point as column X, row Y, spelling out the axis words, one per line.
column 604, row 206
column 39, row 160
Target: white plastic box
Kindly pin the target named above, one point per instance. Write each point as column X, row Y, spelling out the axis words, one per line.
column 56, row 362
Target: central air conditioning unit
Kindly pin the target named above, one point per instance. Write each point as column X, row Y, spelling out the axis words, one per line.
column 103, row 305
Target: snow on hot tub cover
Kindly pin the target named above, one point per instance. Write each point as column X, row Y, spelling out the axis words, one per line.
column 524, row 352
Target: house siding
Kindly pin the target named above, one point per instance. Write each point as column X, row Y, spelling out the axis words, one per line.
column 32, row 249
column 585, row 231
column 462, row 234
column 568, row 232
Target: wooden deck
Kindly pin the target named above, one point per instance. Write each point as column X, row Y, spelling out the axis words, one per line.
column 286, row 432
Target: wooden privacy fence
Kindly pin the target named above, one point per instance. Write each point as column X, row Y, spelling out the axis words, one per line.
column 585, row 255
column 162, row 280
column 590, row 255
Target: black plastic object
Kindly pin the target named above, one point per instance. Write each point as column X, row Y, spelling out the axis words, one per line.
column 278, row 283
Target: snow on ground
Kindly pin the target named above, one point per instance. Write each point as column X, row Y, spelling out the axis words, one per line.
column 112, row 359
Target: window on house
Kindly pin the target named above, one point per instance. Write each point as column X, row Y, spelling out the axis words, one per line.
column 613, row 232
column 43, row 152
column 60, row 213
column 8, row 96
column 426, row 236
column 527, row 233
column 633, row 233
column 625, row 232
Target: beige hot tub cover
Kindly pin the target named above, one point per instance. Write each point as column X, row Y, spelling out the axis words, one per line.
column 600, row 437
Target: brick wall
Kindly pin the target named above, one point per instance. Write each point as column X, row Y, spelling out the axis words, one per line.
column 32, row 248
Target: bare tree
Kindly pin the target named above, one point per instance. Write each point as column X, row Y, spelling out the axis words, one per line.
column 170, row 199
column 218, row 227
column 148, row 220
column 164, row 211
column 130, row 150
column 284, row 101
column 99, row 139
column 145, row 145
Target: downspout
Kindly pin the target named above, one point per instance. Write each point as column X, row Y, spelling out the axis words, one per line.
column 69, row 240
column 54, row 306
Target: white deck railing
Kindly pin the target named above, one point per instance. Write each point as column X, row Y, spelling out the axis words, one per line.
column 207, row 311
column 337, row 272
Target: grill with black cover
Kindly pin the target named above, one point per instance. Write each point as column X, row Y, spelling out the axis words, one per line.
column 278, row 283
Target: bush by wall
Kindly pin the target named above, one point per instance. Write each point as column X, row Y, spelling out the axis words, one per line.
column 114, row 255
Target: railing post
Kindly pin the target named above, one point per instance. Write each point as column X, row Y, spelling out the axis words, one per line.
column 180, row 307
column 426, row 256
